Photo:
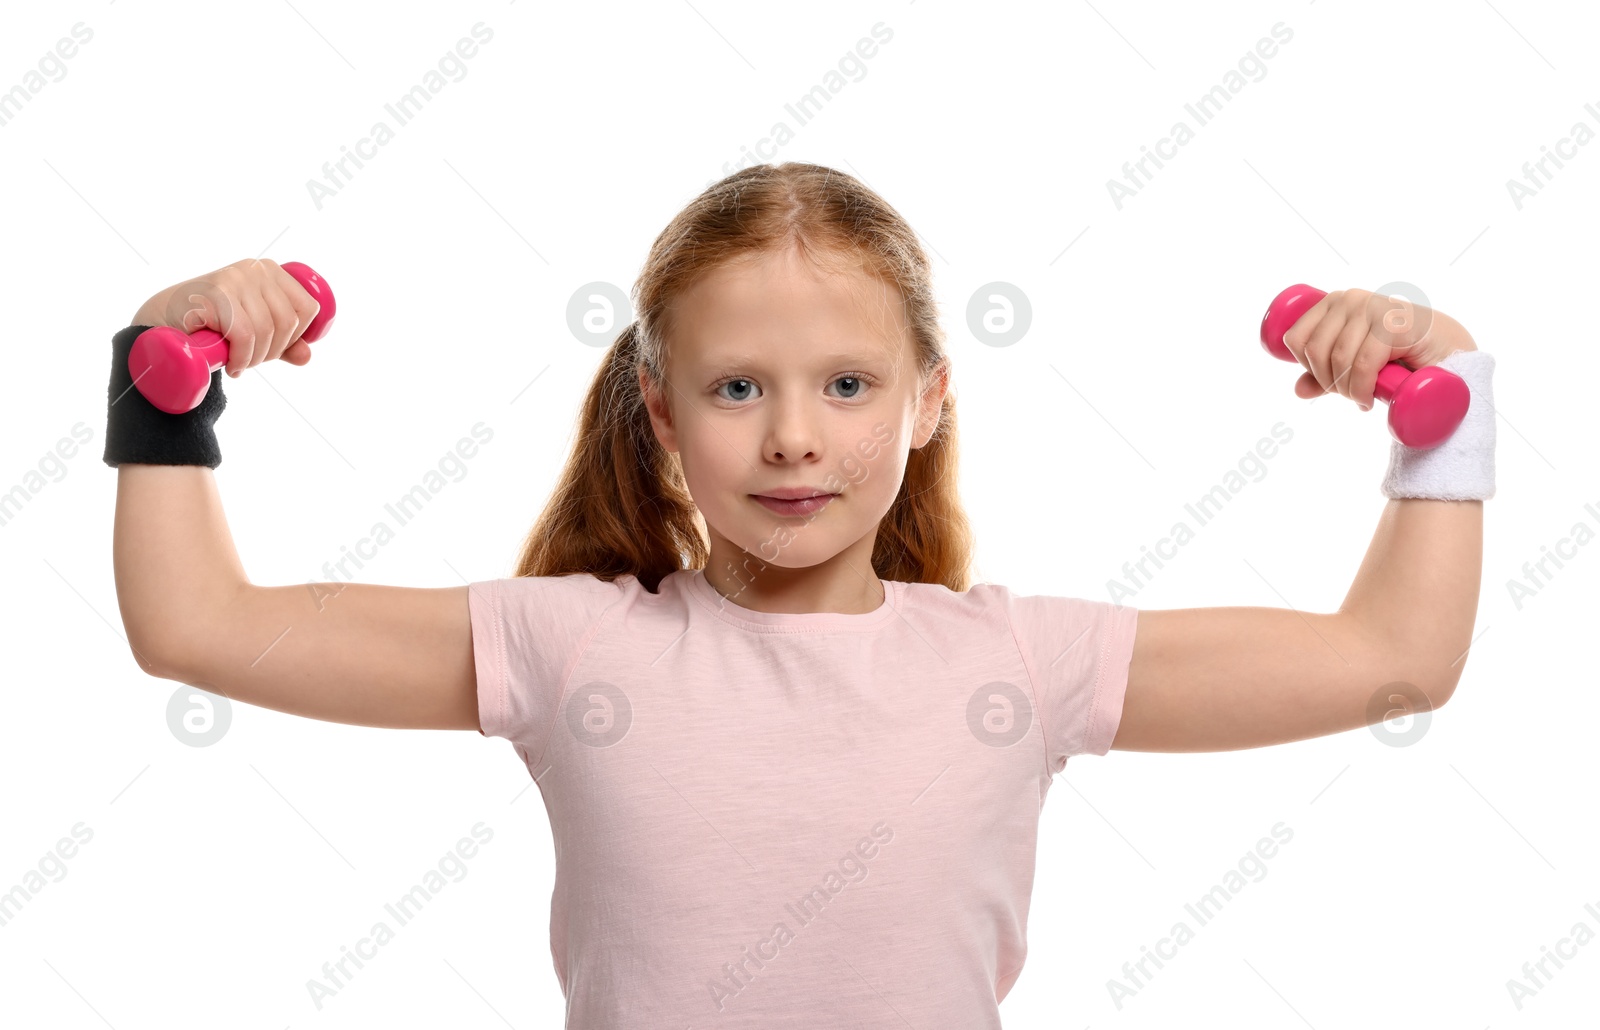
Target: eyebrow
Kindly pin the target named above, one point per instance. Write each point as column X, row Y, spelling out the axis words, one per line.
column 746, row 360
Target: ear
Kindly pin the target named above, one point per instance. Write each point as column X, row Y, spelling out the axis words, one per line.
column 930, row 403
column 660, row 413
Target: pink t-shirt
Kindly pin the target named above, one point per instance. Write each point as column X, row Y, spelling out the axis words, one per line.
column 792, row 820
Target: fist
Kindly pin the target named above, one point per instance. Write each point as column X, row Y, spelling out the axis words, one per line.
column 254, row 304
column 1346, row 338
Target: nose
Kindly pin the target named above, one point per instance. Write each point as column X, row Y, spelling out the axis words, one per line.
column 794, row 432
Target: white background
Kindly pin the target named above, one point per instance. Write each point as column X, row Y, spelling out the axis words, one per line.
column 1375, row 149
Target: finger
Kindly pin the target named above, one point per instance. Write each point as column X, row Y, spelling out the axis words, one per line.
column 284, row 297
column 1295, row 337
column 304, row 304
column 297, row 353
column 269, row 344
column 1321, row 343
column 251, row 330
column 1341, row 358
column 1373, row 355
column 1306, row 386
column 286, row 324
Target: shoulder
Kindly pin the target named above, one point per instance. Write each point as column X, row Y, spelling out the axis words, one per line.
column 936, row 595
column 572, row 600
column 1023, row 612
column 981, row 604
column 575, row 586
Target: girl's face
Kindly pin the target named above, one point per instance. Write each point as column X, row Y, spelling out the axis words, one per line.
column 784, row 375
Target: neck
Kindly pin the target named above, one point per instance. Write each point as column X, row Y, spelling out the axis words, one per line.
column 844, row 584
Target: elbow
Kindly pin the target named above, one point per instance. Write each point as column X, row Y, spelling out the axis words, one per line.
column 149, row 659
column 142, row 631
column 1429, row 690
column 1407, row 690
column 1442, row 689
column 1423, row 660
column 1426, row 673
column 1440, row 679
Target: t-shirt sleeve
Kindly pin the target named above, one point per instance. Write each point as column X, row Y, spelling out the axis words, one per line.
column 1077, row 652
column 527, row 636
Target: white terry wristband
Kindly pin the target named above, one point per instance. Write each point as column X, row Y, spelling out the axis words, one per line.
column 1461, row 468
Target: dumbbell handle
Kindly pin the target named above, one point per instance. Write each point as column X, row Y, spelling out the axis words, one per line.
column 1425, row 404
column 173, row 368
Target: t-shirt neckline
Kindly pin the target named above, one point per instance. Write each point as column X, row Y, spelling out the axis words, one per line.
column 749, row 618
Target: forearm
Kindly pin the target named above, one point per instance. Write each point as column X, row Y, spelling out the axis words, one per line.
column 173, row 558
column 1417, row 588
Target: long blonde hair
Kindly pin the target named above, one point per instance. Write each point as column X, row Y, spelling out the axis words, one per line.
column 622, row 506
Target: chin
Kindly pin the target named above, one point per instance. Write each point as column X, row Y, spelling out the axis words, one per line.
column 798, row 546
column 791, row 557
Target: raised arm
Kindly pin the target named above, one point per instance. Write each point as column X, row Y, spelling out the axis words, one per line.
column 1221, row 679
column 343, row 652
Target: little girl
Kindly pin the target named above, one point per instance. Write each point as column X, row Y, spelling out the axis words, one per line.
column 793, row 759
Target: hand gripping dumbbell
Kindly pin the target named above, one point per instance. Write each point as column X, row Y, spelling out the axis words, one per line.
column 173, row 368
column 1425, row 404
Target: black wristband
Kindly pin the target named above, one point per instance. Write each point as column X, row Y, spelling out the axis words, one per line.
column 138, row 432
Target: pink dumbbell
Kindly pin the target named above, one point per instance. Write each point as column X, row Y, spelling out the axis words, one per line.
column 1425, row 405
column 173, row 368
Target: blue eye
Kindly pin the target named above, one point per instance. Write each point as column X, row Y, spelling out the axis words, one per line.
column 730, row 382
column 860, row 383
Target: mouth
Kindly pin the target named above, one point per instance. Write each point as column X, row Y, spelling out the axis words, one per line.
column 795, row 506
